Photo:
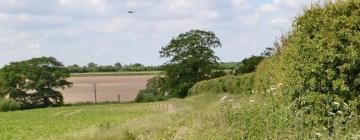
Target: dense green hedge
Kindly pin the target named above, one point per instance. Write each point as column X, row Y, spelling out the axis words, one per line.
column 316, row 67
column 227, row 84
column 323, row 63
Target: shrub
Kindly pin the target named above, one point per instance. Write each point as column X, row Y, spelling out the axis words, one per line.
column 248, row 65
column 228, row 84
column 8, row 105
column 154, row 91
column 144, row 96
column 322, row 61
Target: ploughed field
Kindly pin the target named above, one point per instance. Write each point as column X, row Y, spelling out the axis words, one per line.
column 108, row 88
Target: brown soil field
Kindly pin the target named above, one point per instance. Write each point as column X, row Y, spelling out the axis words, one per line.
column 108, row 88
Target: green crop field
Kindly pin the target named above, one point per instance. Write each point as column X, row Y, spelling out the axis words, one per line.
column 72, row 121
column 39, row 123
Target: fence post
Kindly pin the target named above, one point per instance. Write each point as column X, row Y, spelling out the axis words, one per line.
column 95, row 93
column 119, row 98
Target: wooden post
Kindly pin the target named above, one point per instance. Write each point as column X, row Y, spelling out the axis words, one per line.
column 95, row 93
column 119, row 98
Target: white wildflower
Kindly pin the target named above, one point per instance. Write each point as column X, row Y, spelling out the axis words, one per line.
column 339, row 112
column 318, row 134
column 236, row 107
column 336, row 103
column 331, row 113
column 252, row 101
column 223, row 98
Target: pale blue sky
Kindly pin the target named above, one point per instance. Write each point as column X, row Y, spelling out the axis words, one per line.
column 101, row 31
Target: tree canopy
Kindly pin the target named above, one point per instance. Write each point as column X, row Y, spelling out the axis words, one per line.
column 192, row 59
column 32, row 83
column 248, row 64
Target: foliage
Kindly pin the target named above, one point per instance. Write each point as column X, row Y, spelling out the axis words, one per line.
column 192, row 59
column 248, row 64
column 8, row 105
column 154, row 90
column 314, row 70
column 32, row 82
column 323, row 62
column 2, row 92
column 228, row 65
column 93, row 67
column 228, row 84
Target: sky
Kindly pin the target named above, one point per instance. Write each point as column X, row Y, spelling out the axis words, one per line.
column 102, row 31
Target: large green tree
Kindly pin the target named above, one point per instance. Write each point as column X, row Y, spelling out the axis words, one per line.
column 33, row 82
column 192, row 59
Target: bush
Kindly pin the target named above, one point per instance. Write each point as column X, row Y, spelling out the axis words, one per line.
column 322, row 62
column 8, row 105
column 228, row 84
column 315, row 68
column 154, row 91
column 248, row 65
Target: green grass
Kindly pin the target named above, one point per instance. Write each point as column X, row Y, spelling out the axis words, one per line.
column 120, row 73
column 38, row 123
column 76, row 122
column 199, row 117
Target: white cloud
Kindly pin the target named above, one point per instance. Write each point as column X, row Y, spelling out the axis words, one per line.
column 114, row 24
column 284, row 4
column 280, row 20
column 10, row 2
column 26, row 18
column 33, row 45
column 85, row 25
column 98, row 5
column 267, row 8
column 208, row 15
column 7, row 40
column 180, row 5
column 292, row 3
column 250, row 19
column 240, row 4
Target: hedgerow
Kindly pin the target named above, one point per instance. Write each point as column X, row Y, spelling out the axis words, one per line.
column 315, row 68
column 227, row 84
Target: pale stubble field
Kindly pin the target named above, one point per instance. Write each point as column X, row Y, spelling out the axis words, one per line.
column 108, row 88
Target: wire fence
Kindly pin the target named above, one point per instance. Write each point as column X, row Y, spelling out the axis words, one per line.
column 102, row 92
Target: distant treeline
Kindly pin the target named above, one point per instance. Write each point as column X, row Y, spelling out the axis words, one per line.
column 92, row 67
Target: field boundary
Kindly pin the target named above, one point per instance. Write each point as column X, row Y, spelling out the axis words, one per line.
column 122, row 73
